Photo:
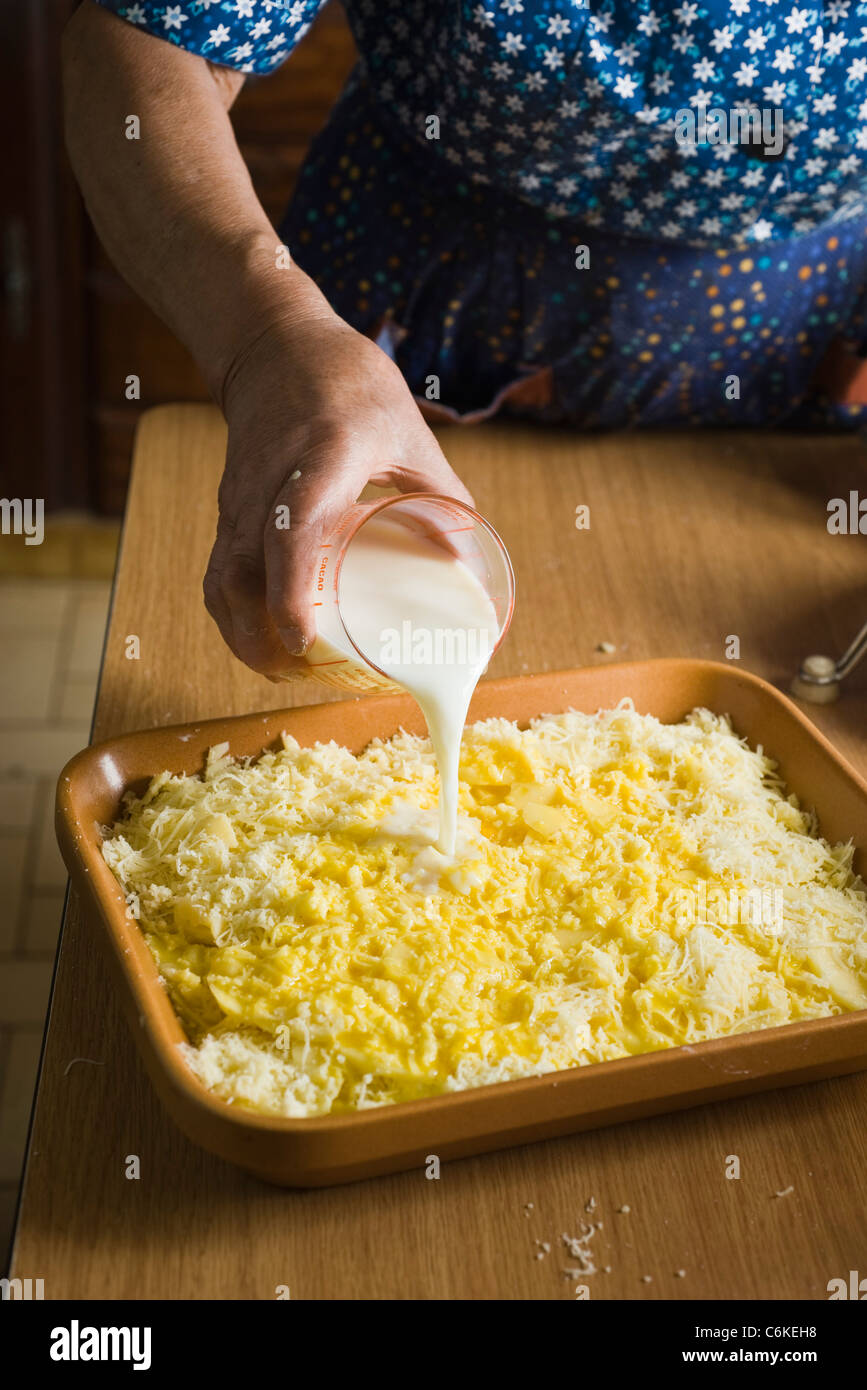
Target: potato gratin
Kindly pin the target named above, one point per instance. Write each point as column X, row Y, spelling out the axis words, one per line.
column 621, row 886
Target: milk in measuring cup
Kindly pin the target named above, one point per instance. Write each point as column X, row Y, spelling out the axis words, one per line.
column 426, row 621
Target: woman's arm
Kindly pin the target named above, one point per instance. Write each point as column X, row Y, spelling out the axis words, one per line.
column 315, row 410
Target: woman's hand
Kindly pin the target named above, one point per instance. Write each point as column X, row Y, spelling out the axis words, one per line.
column 315, row 411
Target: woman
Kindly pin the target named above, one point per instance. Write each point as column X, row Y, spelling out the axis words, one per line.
column 510, row 208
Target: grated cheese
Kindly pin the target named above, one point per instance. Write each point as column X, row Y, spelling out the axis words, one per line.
column 606, row 900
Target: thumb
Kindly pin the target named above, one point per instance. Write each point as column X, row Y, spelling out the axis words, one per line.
column 424, row 468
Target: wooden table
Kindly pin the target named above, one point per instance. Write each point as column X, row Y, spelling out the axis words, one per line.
column 692, row 538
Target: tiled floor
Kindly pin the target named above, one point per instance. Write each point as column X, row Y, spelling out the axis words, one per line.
column 51, row 632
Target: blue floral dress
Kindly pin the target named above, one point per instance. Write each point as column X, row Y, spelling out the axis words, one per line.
column 499, row 197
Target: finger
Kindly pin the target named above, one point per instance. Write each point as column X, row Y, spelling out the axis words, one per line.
column 254, row 637
column 425, row 469
column 306, row 511
column 212, row 586
column 431, row 473
column 239, row 607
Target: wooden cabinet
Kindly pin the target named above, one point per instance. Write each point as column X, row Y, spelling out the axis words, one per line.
column 43, row 390
column 73, row 330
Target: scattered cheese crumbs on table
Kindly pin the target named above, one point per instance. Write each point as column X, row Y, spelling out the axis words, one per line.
column 647, row 1278
column 680, row 1274
column 322, row 959
column 579, row 1248
column 607, row 647
column 624, row 1210
column 785, row 1192
column 590, row 1204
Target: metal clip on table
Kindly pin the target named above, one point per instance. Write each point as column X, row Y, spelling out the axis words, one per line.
column 819, row 677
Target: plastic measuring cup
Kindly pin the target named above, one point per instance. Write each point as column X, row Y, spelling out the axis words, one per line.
column 334, row 657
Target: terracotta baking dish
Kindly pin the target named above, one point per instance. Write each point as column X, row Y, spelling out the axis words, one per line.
column 318, row 1152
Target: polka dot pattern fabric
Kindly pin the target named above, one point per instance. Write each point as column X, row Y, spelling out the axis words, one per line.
column 500, row 196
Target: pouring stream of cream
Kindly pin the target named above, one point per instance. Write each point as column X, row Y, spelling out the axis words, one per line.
column 426, row 621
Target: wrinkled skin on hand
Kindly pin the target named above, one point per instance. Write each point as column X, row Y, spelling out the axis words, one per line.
column 314, row 415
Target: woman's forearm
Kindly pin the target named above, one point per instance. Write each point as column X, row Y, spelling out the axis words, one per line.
column 175, row 208
column 315, row 410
